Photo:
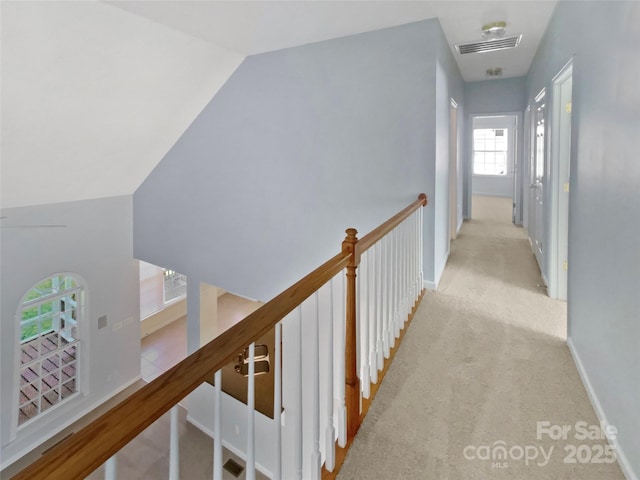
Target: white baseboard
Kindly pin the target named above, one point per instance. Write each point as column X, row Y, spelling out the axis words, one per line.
column 626, row 467
column 228, row 446
column 433, row 285
column 429, row 285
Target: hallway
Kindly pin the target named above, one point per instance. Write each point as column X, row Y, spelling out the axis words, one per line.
column 483, row 361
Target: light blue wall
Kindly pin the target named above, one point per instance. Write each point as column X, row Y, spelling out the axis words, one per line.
column 491, row 97
column 495, row 96
column 97, row 245
column 604, row 201
column 297, row 146
column 449, row 84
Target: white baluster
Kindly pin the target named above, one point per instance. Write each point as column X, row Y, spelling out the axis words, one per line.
column 251, row 441
column 394, row 290
column 297, row 407
column 330, row 432
column 316, row 460
column 217, row 426
column 363, row 317
column 339, row 313
column 110, row 469
column 416, row 246
column 277, row 402
column 378, row 302
column 174, row 447
column 405, row 274
column 385, row 285
column 421, row 242
column 371, row 272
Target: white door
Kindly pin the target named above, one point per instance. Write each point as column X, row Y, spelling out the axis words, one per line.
column 560, row 157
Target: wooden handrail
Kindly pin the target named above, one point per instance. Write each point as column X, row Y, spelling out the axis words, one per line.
column 84, row 451
column 376, row 234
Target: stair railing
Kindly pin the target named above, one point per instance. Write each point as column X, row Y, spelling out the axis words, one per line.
column 334, row 340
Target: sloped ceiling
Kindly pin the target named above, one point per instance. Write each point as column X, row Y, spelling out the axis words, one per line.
column 95, row 93
column 93, row 97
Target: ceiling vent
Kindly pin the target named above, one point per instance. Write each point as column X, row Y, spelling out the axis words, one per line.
column 489, row 45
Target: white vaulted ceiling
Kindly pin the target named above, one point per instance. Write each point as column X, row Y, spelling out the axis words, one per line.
column 95, row 93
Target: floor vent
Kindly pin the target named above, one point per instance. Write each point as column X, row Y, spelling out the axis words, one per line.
column 233, row 467
column 489, row 45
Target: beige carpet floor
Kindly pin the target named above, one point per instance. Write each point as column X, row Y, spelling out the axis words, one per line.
column 484, row 360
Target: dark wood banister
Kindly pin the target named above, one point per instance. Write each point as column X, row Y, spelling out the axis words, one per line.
column 82, row 452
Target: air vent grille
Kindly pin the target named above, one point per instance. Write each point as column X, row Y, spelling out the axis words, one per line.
column 489, row 45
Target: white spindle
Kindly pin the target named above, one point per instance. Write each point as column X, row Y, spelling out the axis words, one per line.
column 174, row 448
column 330, row 433
column 378, row 304
column 373, row 361
column 395, row 288
column 251, row 441
column 316, row 460
column 405, row 275
column 110, row 469
column 421, row 247
column 339, row 313
column 217, row 426
column 277, row 402
column 416, row 250
column 363, row 316
column 386, row 283
column 297, row 407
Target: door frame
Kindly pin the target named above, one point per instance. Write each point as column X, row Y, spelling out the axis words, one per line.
column 453, row 170
column 517, row 158
column 559, row 185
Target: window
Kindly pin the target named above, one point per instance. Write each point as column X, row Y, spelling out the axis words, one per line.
column 175, row 285
column 49, row 345
column 490, row 151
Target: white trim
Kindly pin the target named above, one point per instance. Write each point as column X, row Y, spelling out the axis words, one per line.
column 429, row 285
column 625, row 466
column 460, row 225
column 433, row 285
column 228, row 446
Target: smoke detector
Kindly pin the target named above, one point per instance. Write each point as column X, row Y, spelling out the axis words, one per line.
column 494, row 30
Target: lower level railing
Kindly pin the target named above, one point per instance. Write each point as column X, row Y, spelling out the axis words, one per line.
column 334, row 337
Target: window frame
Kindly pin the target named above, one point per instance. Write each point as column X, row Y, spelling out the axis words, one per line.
column 494, row 151
column 175, row 277
column 80, row 343
column 502, row 121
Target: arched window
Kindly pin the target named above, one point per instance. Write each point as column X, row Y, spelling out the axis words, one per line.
column 49, row 345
